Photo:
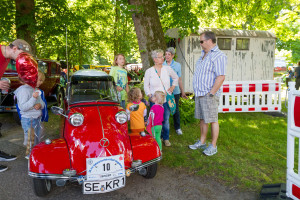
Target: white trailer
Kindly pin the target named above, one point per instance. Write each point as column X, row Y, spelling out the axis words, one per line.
column 251, row 56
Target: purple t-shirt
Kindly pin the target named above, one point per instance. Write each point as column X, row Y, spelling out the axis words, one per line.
column 158, row 111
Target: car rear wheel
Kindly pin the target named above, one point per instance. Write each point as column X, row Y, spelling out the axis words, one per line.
column 150, row 171
column 42, row 187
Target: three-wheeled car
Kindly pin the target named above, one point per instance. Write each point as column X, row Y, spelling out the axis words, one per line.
column 95, row 148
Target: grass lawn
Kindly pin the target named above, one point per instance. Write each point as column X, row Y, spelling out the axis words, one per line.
column 251, row 151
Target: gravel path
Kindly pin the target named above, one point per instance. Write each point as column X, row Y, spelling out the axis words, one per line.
column 168, row 183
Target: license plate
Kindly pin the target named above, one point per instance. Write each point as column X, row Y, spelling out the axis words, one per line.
column 92, row 187
column 104, row 168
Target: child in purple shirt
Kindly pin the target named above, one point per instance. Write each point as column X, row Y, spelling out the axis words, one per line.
column 157, row 116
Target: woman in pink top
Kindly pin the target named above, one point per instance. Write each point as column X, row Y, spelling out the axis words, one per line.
column 157, row 115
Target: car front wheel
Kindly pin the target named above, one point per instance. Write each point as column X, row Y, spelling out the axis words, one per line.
column 150, row 171
column 42, row 187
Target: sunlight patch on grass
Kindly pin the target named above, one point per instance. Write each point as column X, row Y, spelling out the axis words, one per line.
column 251, row 150
column 253, row 126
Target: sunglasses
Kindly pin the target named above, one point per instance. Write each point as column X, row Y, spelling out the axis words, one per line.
column 201, row 41
column 20, row 46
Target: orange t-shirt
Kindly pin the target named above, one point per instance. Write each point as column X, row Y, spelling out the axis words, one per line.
column 137, row 117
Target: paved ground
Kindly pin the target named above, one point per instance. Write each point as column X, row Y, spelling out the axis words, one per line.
column 172, row 184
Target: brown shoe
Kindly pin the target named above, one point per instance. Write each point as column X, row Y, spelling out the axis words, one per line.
column 167, row 143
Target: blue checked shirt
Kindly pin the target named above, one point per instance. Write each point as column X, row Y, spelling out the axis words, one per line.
column 207, row 70
column 176, row 66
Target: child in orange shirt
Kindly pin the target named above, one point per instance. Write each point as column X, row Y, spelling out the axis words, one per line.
column 137, row 123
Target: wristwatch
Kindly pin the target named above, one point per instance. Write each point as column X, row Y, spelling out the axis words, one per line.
column 211, row 95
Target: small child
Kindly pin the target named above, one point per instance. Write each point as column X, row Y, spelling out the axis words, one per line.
column 120, row 76
column 137, row 123
column 156, row 116
column 30, row 105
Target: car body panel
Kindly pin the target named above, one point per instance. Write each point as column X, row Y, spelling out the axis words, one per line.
column 99, row 122
column 50, row 158
column 144, row 148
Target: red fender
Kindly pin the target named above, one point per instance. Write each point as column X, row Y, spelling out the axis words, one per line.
column 144, row 148
column 49, row 158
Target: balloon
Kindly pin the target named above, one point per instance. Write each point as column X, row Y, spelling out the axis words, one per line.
column 27, row 69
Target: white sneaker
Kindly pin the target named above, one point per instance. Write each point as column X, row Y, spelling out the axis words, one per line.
column 27, row 157
column 3, row 168
column 179, row 131
column 210, row 150
column 198, row 145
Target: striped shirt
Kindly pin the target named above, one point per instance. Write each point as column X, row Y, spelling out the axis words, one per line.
column 207, row 70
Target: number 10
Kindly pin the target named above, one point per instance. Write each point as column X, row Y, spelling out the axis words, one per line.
column 106, row 167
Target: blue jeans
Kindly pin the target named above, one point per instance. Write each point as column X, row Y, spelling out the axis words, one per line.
column 176, row 116
column 122, row 103
column 36, row 124
column 165, row 125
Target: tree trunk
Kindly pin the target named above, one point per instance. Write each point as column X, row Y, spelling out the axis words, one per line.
column 148, row 29
column 25, row 21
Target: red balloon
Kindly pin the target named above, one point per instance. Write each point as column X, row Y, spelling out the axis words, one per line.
column 27, row 69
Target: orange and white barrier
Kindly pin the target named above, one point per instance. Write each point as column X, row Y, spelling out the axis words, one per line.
column 250, row 96
column 293, row 143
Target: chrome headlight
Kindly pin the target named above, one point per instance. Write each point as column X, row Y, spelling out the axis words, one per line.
column 76, row 119
column 121, row 117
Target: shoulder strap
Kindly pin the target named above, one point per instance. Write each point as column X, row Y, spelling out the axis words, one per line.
column 160, row 80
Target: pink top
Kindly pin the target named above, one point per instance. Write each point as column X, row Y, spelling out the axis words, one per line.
column 158, row 111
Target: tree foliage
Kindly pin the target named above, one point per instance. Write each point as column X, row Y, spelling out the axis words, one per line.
column 96, row 30
column 287, row 30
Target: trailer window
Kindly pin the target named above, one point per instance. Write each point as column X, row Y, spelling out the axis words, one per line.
column 224, row 43
column 242, row 43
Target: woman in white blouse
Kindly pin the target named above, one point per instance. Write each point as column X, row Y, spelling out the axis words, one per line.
column 157, row 78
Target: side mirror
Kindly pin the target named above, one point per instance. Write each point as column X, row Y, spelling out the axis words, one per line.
column 57, row 110
column 134, row 107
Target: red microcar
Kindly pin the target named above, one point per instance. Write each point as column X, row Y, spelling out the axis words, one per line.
column 95, row 148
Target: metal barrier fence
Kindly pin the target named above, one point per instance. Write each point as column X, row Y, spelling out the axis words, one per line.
column 250, row 96
column 293, row 143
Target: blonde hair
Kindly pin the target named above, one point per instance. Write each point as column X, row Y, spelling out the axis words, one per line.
column 134, row 94
column 160, row 97
column 41, row 74
column 116, row 58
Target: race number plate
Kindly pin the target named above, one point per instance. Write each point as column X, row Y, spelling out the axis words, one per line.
column 92, row 187
column 104, row 168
